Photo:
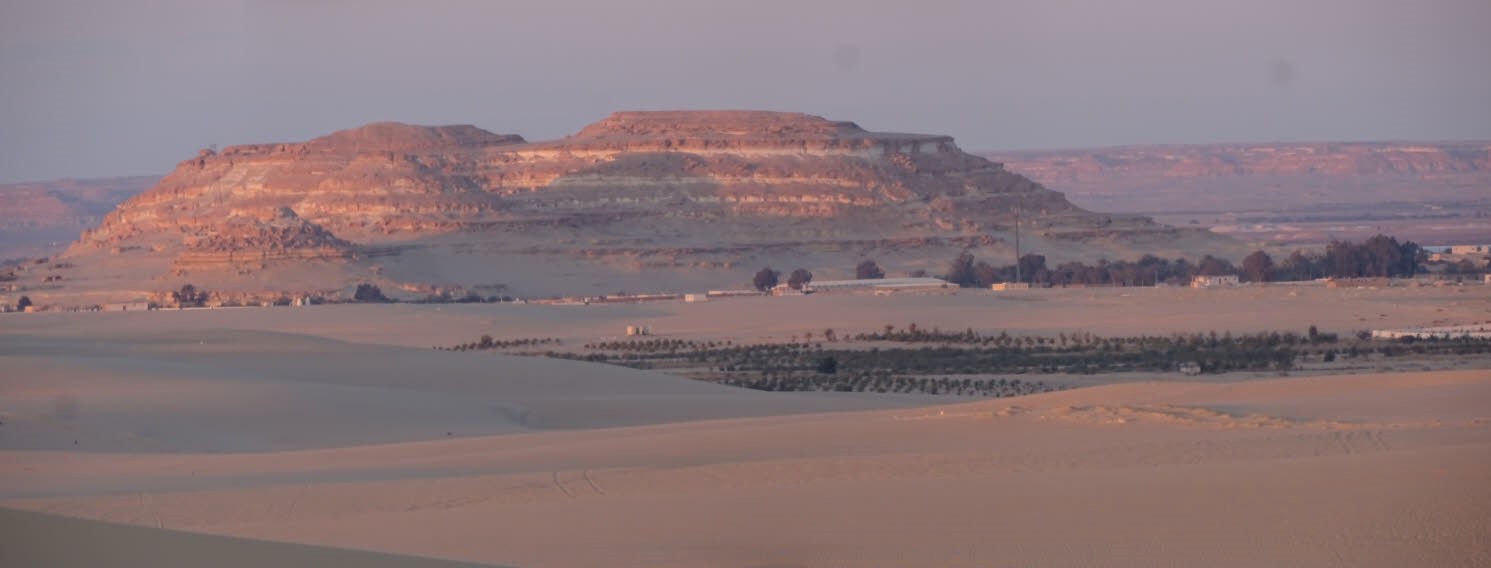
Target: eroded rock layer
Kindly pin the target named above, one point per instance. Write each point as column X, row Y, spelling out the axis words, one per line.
column 676, row 189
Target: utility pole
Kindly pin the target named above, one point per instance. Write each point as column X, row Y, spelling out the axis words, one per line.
column 1018, row 276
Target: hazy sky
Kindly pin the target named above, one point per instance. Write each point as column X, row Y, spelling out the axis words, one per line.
column 112, row 87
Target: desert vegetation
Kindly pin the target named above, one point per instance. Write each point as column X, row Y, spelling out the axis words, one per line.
column 487, row 342
column 190, row 297
column 868, row 270
column 917, row 359
column 799, row 278
column 765, row 279
column 1378, row 256
column 368, row 293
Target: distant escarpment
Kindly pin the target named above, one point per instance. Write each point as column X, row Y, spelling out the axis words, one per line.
column 638, row 201
column 1295, row 193
column 38, row 218
column 1229, row 160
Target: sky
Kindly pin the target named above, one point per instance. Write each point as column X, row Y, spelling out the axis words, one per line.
column 92, row 88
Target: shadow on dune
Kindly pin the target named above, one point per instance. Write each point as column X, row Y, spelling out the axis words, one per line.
column 36, row 539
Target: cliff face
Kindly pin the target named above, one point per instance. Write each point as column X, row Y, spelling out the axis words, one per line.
column 680, row 190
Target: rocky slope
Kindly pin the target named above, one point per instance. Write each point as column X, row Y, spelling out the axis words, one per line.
column 1301, row 193
column 639, row 201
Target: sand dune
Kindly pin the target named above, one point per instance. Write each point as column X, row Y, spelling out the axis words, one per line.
column 224, row 423
column 252, row 391
column 46, row 540
column 1043, row 480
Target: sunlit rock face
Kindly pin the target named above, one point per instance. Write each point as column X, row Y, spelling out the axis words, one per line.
column 674, row 188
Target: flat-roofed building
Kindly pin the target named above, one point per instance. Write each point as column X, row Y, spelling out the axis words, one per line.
column 1214, row 281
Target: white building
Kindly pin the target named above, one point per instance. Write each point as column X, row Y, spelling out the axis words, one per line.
column 1214, row 281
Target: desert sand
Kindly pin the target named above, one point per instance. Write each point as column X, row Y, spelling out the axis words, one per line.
column 339, row 427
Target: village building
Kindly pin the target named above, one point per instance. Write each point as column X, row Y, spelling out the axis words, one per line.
column 1201, row 281
column 785, row 289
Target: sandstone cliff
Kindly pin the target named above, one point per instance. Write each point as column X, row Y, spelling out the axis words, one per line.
column 703, row 197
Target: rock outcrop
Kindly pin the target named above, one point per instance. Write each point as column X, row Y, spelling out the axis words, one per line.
column 416, row 206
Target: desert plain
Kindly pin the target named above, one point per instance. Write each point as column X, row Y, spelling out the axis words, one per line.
column 337, row 435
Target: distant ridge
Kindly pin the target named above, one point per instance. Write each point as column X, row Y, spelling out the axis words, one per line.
column 1288, row 193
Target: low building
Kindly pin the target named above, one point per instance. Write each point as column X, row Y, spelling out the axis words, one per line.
column 732, row 293
column 878, row 285
column 127, row 307
column 695, row 298
column 785, row 289
column 1214, row 281
column 1003, row 286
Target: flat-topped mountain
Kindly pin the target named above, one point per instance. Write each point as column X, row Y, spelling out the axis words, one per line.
column 639, row 201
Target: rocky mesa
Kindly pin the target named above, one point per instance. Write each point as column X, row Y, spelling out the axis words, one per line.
column 639, row 201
